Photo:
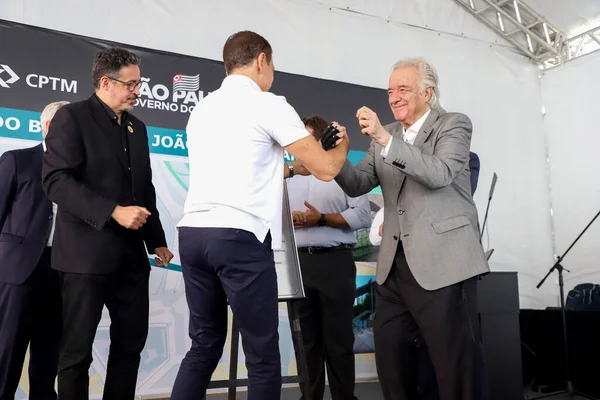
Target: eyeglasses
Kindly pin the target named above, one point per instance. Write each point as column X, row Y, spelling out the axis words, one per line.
column 131, row 86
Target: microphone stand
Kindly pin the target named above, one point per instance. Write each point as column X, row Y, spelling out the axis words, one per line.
column 570, row 390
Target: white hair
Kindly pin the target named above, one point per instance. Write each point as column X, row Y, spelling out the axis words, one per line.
column 429, row 78
column 49, row 112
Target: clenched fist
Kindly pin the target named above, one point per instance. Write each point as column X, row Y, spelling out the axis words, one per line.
column 370, row 126
column 131, row 217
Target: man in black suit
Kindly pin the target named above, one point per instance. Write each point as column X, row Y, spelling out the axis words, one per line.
column 29, row 291
column 97, row 169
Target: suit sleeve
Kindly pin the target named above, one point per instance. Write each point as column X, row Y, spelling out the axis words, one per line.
column 62, row 166
column 449, row 157
column 152, row 231
column 8, row 185
column 359, row 180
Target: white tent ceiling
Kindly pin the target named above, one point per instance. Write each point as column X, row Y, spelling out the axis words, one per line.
column 572, row 17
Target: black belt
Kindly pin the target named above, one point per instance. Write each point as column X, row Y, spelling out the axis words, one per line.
column 316, row 249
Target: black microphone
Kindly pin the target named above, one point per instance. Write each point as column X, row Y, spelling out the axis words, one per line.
column 492, row 187
column 494, row 180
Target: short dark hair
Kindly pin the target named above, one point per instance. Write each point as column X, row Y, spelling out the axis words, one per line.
column 109, row 62
column 242, row 48
column 318, row 124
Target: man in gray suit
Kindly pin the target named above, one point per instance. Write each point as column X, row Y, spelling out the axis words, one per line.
column 430, row 254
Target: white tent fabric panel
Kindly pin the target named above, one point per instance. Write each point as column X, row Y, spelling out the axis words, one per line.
column 571, row 17
column 571, row 124
column 497, row 88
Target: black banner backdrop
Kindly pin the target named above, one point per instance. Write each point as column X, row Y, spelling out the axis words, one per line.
column 39, row 66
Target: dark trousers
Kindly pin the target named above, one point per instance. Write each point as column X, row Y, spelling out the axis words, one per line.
column 125, row 294
column 428, row 388
column 30, row 315
column 446, row 319
column 326, row 321
column 223, row 265
column 427, row 381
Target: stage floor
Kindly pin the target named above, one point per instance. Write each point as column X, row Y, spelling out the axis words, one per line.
column 364, row 391
column 372, row 391
column 531, row 395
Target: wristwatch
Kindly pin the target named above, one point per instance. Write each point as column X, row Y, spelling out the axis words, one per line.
column 322, row 220
column 291, row 169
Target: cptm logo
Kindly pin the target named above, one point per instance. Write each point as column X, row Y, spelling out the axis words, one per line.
column 12, row 77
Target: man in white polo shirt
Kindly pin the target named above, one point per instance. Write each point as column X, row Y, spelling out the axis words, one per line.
column 236, row 139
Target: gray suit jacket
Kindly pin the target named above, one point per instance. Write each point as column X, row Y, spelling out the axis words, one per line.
column 427, row 201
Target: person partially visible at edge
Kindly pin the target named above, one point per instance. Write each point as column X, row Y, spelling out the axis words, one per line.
column 29, row 287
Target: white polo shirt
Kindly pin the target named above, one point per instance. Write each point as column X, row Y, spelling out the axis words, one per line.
column 235, row 141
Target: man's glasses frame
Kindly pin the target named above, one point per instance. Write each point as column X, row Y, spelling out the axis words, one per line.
column 131, row 86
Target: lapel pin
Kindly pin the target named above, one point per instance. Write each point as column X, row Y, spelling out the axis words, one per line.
column 130, row 129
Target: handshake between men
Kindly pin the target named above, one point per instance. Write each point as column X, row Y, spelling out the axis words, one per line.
column 335, row 134
column 330, row 137
column 370, row 126
column 310, row 160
